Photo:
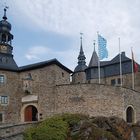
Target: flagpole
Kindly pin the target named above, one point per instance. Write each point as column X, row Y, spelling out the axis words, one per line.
column 99, row 71
column 120, row 62
column 133, row 78
column 99, row 75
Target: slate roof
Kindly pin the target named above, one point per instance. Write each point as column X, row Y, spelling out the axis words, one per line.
column 12, row 66
column 115, row 60
column 43, row 64
column 7, row 62
column 94, row 60
column 110, row 68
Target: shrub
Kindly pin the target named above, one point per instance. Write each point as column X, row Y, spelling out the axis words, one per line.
column 54, row 128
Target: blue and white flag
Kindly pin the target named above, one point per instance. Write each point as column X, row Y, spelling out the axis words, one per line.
column 103, row 53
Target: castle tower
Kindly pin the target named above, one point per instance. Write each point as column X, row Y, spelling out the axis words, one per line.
column 92, row 70
column 79, row 72
column 6, row 58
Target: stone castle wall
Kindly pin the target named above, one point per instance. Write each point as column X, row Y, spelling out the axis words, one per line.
column 96, row 100
column 51, row 85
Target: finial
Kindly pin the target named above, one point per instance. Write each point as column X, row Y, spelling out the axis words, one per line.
column 94, row 44
column 81, row 37
column 5, row 9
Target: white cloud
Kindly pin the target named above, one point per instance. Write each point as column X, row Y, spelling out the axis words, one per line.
column 40, row 53
column 36, row 52
column 112, row 18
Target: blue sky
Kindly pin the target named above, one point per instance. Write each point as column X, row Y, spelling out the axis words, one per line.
column 47, row 29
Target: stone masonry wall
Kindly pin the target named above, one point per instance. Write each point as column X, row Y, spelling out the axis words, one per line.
column 43, row 83
column 14, row 131
column 10, row 88
column 132, row 98
column 92, row 99
column 96, row 100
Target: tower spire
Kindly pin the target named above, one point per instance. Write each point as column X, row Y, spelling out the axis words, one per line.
column 81, row 58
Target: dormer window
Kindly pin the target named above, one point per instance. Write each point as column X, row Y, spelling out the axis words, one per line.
column 2, row 79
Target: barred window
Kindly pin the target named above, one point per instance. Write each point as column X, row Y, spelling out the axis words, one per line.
column 4, row 100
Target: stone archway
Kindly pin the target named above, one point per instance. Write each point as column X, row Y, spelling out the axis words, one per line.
column 30, row 113
column 130, row 115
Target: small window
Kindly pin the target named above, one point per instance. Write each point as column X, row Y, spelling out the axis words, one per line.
column 63, row 74
column 2, row 79
column 113, row 82
column 1, row 117
column 119, row 81
column 4, row 100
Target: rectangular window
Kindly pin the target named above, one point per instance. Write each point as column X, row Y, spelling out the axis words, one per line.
column 2, row 79
column 113, row 82
column 119, row 81
column 1, row 117
column 4, row 100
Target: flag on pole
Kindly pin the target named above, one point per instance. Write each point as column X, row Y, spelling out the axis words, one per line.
column 135, row 65
column 103, row 53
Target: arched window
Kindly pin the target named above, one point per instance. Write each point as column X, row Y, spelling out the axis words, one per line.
column 130, row 115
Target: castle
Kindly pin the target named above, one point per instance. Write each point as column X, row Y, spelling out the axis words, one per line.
column 33, row 92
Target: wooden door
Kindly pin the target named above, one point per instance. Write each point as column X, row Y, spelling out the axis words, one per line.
column 28, row 114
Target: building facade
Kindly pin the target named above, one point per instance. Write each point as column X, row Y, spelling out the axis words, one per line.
column 34, row 92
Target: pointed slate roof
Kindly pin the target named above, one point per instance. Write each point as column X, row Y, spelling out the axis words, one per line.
column 81, row 60
column 94, row 59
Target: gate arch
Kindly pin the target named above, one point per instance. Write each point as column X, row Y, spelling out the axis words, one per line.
column 30, row 113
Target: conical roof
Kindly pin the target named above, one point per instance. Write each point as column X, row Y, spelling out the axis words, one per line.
column 94, row 59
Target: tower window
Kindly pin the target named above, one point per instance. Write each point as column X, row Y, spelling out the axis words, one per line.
column 4, row 100
column 3, row 38
column 2, row 79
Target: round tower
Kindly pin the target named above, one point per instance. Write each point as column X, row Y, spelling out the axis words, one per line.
column 79, row 75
